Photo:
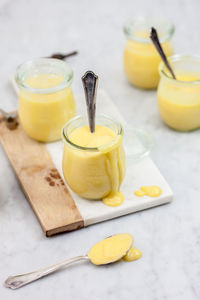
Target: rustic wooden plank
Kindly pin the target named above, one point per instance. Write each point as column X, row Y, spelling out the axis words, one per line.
column 42, row 184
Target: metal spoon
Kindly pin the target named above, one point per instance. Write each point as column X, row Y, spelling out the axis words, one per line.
column 62, row 56
column 156, row 42
column 11, row 119
column 90, row 81
column 15, row 282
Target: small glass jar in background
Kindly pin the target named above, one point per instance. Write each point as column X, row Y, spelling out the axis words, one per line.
column 46, row 100
column 93, row 172
column 141, row 59
column 179, row 99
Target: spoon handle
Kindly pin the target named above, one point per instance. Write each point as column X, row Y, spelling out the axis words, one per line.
column 90, row 81
column 15, row 282
column 156, row 42
column 63, row 56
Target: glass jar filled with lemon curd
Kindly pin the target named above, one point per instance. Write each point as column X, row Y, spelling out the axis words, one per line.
column 94, row 163
column 179, row 99
column 141, row 59
column 46, row 100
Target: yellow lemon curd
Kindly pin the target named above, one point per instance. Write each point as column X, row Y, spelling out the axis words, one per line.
column 95, row 174
column 179, row 100
column 132, row 254
column 151, row 191
column 111, row 249
column 141, row 61
column 42, row 115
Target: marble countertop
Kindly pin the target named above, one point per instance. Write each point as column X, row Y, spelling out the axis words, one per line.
column 169, row 235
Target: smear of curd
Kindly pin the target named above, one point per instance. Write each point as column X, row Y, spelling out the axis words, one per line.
column 151, row 191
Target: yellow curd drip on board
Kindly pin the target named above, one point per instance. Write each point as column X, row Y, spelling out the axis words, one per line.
column 179, row 102
column 113, row 199
column 95, row 174
column 151, row 191
column 42, row 115
column 141, row 61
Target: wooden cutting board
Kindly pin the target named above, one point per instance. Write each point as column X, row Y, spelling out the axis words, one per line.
column 38, row 168
column 40, row 181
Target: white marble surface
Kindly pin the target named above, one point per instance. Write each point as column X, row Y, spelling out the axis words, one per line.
column 169, row 236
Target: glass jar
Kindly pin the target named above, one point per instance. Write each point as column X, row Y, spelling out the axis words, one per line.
column 179, row 100
column 141, row 59
column 95, row 172
column 46, row 100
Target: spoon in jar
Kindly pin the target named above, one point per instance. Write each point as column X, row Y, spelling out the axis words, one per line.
column 62, row 56
column 156, row 42
column 107, row 251
column 11, row 119
column 90, row 81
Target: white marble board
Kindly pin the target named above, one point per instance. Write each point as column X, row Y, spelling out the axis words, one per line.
column 140, row 173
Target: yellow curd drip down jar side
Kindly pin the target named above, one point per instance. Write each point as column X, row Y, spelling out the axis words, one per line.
column 179, row 100
column 94, row 172
column 141, row 59
column 46, row 100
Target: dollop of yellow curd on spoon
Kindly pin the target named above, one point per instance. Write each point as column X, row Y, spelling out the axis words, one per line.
column 113, row 249
column 103, row 168
column 132, row 254
column 151, row 191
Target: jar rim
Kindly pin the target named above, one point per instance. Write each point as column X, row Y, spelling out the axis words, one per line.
column 55, row 63
column 150, row 22
column 79, row 118
column 177, row 58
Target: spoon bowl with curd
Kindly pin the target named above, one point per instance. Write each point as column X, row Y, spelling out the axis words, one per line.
column 107, row 251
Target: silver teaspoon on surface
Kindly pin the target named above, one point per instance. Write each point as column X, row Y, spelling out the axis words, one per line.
column 15, row 282
column 90, row 81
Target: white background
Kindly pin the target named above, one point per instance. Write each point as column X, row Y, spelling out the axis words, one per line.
column 169, row 236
